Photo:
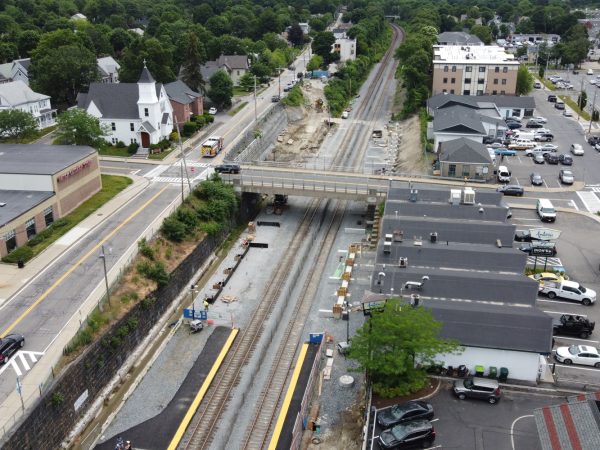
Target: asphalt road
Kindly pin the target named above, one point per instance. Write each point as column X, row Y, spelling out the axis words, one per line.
column 474, row 424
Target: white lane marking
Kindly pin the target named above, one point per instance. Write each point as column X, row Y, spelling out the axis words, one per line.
column 576, row 339
column 590, row 200
column 156, row 171
column 565, row 313
column 557, row 301
column 512, row 437
column 545, row 184
column 574, row 205
column 592, row 369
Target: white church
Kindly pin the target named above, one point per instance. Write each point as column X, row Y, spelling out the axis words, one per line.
column 131, row 112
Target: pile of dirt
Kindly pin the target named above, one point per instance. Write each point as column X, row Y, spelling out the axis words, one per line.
column 410, row 157
column 307, row 126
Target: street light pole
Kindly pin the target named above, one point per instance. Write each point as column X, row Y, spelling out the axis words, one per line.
column 103, row 256
column 593, row 109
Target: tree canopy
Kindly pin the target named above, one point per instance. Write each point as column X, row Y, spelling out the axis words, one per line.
column 395, row 346
column 524, row 81
column 77, row 127
column 16, row 124
column 221, row 89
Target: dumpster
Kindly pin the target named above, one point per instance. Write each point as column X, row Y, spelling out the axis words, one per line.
column 503, row 374
column 493, row 372
column 479, row 370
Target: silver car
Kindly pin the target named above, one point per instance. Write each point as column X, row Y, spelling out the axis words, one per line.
column 566, row 176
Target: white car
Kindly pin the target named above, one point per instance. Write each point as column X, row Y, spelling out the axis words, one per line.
column 212, row 111
column 568, row 113
column 578, row 354
column 590, row 72
column 577, row 149
column 345, row 114
column 539, row 119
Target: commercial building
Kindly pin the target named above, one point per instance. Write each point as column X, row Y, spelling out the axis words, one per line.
column 474, row 70
column 40, row 184
column 451, row 250
column 463, row 158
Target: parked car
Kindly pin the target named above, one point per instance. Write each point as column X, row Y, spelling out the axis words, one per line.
column 566, row 176
column 565, row 160
column 537, row 85
column 568, row 113
column 534, row 124
column 552, row 98
column 549, row 248
column 578, row 354
column 543, row 137
column 593, row 140
column 569, row 290
column 404, row 412
column 547, row 147
column 275, row 98
column 513, row 125
column 523, row 236
column 559, row 104
column 551, row 158
column 570, row 325
column 408, row 435
column 511, row 189
column 538, row 158
column 228, row 168
column 212, row 111
column 577, row 149
column 345, row 114
column 539, row 119
column 547, row 276
column 481, row 388
column 9, row 345
column 590, row 72
column 536, row 179
column 505, row 151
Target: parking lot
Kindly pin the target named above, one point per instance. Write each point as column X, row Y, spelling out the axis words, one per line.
column 475, row 424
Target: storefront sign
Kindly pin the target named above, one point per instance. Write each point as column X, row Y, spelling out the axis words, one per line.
column 74, row 171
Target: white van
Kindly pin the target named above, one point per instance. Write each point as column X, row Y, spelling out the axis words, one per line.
column 545, row 210
column 504, row 174
column 522, row 144
column 529, row 135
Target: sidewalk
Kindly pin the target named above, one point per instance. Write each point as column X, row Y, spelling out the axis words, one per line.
column 12, row 279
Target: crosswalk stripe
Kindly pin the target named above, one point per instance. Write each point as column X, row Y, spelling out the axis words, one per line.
column 590, row 200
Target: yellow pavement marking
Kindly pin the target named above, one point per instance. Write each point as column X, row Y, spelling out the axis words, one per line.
column 288, row 398
column 202, row 392
column 79, row 262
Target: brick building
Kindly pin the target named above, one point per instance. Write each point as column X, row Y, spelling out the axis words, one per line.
column 184, row 101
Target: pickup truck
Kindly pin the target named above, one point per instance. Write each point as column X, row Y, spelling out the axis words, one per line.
column 573, row 326
column 568, row 290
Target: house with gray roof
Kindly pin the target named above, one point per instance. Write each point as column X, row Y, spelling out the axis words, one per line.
column 502, row 106
column 235, row 66
column 451, row 250
column 184, row 100
column 131, row 112
column 18, row 95
column 108, row 69
column 458, row 38
column 463, row 158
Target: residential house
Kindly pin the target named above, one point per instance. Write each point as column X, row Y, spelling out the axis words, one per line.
column 451, row 251
column 346, row 47
column 474, row 70
column 20, row 70
column 17, row 95
column 463, row 158
column 184, row 101
column 108, row 69
column 458, row 38
column 131, row 112
column 235, row 66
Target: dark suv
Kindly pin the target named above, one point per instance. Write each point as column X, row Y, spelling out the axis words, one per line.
column 228, row 168
column 481, row 388
column 552, row 98
column 573, row 326
column 9, row 344
column 418, row 433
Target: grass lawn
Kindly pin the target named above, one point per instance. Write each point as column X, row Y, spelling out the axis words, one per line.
column 114, row 151
column 573, row 105
column 28, row 140
column 239, row 92
column 237, row 109
column 546, row 83
column 111, row 186
column 162, row 155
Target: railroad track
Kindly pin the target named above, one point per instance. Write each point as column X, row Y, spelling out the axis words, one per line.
column 203, row 426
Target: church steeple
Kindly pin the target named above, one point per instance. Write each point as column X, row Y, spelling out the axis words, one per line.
column 146, row 76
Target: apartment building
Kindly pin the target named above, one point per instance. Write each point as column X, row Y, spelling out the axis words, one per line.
column 473, row 70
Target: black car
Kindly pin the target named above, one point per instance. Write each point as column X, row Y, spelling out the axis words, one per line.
column 593, row 140
column 228, row 168
column 511, row 189
column 9, row 344
column 552, row 98
column 534, row 124
column 513, row 125
column 419, row 433
column 404, row 412
column 571, row 325
column 549, row 248
column 536, row 179
column 523, row 236
column 551, row 158
column 566, row 160
column 275, row 98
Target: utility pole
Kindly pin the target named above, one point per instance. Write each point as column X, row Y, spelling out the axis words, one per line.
column 103, row 257
column 580, row 97
column 593, row 110
column 255, row 115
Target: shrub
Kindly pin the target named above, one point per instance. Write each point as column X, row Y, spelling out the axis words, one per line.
column 38, row 238
column 200, row 121
column 145, row 249
column 189, row 128
column 60, row 223
column 154, row 271
column 211, row 228
column 174, row 136
column 120, row 144
column 23, row 253
column 132, row 148
column 173, row 229
column 164, row 144
column 208, row 118
column 186, row 216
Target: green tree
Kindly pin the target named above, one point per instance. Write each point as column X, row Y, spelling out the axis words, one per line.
column 322, row 45
column 582, row 100
column 195, row 56
column 315, row 62
column 17, row 124
column 62, row 72
column 296, row 35
column 524, row 81
column 221, row 89
column 395, row 345
column 483, row 32
column 77, row 127
column 247, row 82
column 27, row 42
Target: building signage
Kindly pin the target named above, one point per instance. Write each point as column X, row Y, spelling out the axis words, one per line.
column 74, row 171
column 544, row 234
column 542, row 251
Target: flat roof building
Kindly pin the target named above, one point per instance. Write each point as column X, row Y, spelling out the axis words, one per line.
column 474, row 70
column 40, row 184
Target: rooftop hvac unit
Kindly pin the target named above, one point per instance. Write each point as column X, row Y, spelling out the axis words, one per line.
column 468, row 196
column 455, row 197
